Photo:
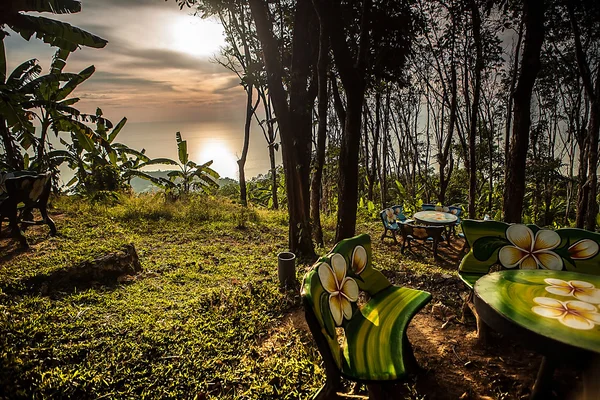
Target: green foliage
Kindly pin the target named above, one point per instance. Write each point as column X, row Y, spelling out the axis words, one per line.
column 55, row 33
column 190, row 175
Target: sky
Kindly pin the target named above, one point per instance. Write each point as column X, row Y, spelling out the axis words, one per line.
column 156, row 71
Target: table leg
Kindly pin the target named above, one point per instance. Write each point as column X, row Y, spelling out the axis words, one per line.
column 541, row 388
column 591, row 385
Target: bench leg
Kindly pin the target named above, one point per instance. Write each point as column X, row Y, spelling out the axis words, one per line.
column 48, row 221
column 329, row 390
column 333, row 375
column 376, row 391
column 16, row 231
column 384, row 234
column 410, row 362
column 482, row 329
column 541, row 388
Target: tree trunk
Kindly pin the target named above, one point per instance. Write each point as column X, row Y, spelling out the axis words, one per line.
column 315, row 207
column 294, row 120
column 509, row 106
column 352, row 75
column 588, row 204
column 514, row 191
column 384, row 150
column 242, row 161
column 375, row 150
column 476, row 19
column 443, row 160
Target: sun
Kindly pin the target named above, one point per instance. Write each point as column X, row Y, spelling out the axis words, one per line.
column 195, row 36
column 224, row 161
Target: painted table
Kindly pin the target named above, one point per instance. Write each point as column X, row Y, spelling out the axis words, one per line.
column 556, row 313
column 436, row 218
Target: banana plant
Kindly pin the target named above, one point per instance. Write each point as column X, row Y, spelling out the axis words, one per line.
column 49, row 96
column 15, row 120
column 189, row 176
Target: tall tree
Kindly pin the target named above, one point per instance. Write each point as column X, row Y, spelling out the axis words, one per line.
column 316, row 182
column 479, row 63
column 368, row 40
column 514, row 191
column 293, row 117
column 587, row 208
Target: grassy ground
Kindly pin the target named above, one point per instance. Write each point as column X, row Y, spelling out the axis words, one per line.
column 205, row 318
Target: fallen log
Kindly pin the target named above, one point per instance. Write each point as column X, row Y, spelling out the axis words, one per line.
column 116, row 267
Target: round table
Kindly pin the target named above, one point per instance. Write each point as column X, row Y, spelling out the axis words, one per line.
column 435, row 218
column 552, row 312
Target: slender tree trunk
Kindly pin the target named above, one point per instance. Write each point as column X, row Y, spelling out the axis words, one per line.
column 476, row 19
column 315, row 207
column 242, row 161
column 294, row 120
column 41, row 149
column 509, row 106
column 384, row 150
column 375, row 150
column 589, row 204
column 582, row 187
column 443, row 161
column 352, row 75
column 274, row 184
column 514, row 192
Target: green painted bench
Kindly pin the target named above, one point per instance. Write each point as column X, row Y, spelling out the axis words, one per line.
column 498, row 245
column 375, row 347
column 521, row 246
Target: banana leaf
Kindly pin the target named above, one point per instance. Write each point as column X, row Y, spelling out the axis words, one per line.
column 55, row 33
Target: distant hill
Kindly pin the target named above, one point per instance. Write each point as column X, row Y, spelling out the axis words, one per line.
column 140, row 185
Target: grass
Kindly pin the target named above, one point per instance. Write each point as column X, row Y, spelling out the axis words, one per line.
column 204, row 319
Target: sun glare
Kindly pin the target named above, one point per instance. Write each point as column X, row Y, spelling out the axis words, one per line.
column 224, row 162
column 197, row 37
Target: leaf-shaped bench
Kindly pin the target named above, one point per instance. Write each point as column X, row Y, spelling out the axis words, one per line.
column 519, row 246
column 375, row 348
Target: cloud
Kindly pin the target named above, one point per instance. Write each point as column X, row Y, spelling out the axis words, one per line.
column 164, row 59
column 228, row 83
column 155, row 67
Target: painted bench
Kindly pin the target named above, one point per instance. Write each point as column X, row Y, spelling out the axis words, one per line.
column 30, row 189
column 375, row 348
column 392, row 218
column 497, row 245
column 514, row 246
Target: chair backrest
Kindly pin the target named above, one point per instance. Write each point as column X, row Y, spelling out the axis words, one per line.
column 456, row 210
column 421, row 232
column 391, row 216
column 399, row 211
column 513, row 246
column 428, row 207
column 347, row 268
